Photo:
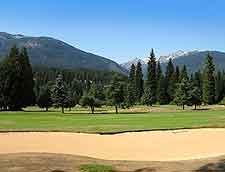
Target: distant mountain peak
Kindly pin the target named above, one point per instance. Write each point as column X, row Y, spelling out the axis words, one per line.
column 134, row 61
column 175, row 55
column 18, row 36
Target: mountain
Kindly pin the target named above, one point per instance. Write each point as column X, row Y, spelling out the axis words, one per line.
column 194, row 60
column 134, row 61
column 50, row 52
column 173, row 56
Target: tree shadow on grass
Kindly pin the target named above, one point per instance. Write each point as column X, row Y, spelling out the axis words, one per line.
column 201, row 109
column 213, row 167
column 104, row 113
column 40, row 111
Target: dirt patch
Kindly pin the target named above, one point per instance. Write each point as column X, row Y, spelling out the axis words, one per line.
column 37, row 162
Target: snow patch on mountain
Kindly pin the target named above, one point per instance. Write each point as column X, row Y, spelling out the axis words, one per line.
column 134, row 61
column 164, row 59
column 18, row 36
column 161, row 59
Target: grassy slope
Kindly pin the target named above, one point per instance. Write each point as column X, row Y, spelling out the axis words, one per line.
column 81, row 121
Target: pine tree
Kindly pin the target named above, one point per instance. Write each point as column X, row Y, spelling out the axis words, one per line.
column 77, row 88
column 44, row 99
column 150, row 96
column 219, row 86
column 96, row 91
column 171, row 80
column 17, row 78
column 195, row 94
column 139, row 82
column 182, row 96
column 159, row 78
column 131, row 89
column 163, row 95
column 183, row 73
column 13, row 80
column 116, row 93
column 59, row 93
column 28, row 92
column 72, row 99
column 197, row 82
column 177, row 74
column 209, row 81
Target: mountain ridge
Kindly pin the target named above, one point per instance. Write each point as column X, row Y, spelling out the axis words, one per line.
column 51, row 52
column 194, row 60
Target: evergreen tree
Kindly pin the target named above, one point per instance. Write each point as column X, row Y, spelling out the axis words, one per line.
column 4, row 98
column 196, row 99
column 72, row 99
column 139, row 82
column 59, row 93
column 44, row 99
column 182, row 96
column 197, row 82
column 77, row 89
column 197, row 79
column 159, row 78
column 177, row 74
column 116, row 93
column 209, row 81
column 131, row 89
column 183, row 73
column 219, row 86
column 163, row 95
column 13, row 80
column 28, row 92
column 17, row 80
column 171, row 80
column 97, row 92
column 151, row 83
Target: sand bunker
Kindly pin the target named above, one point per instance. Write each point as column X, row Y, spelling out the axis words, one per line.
column 141, row 146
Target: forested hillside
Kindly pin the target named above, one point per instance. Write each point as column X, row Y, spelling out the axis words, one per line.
column 50, row 52
column 22, row 86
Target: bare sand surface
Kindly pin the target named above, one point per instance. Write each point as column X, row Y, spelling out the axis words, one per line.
column 140, row 146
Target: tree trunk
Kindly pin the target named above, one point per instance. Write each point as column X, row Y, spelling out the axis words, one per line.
column 46, row 109
column 62, row 109
column 183, row 106
column 116, row 109
column 195, row 106
column 92, row 109
column 69, row 108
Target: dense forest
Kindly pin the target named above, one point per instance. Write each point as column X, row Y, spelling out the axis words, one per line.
column 22, row 86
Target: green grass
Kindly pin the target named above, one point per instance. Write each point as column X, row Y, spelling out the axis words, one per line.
column 82, row 121
column 96, row 168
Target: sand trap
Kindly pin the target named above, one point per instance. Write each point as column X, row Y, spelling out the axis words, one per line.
column 142, row 146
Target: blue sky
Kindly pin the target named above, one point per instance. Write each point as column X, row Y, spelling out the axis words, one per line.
column 121, row 29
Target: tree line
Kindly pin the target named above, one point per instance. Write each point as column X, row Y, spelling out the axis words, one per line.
column 176, row 86
column 22, row 86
